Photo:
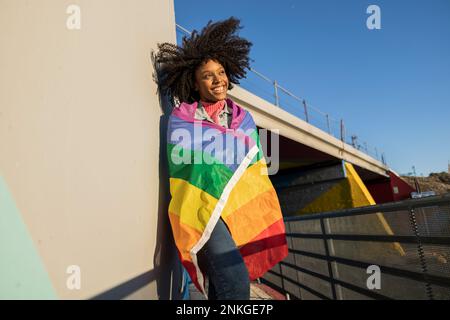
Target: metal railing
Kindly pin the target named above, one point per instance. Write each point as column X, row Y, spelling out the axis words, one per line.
column 299, row 107
column 330, row 253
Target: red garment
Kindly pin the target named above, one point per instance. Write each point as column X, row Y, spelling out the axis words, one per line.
column 213, row 109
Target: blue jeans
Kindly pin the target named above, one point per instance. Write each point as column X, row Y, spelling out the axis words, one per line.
column 223, row 263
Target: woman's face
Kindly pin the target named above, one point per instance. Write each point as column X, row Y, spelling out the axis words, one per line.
column 211, row 81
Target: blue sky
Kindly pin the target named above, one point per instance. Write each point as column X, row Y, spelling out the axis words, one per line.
column 391, row 86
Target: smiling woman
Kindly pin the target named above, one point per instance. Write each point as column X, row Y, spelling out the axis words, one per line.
column 225, row 215
column 211, row 81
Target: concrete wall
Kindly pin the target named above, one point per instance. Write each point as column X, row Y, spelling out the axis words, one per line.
column 81, row 182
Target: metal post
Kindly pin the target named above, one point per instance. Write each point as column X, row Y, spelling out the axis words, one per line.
column 328, row 123
column 353, row 137
column 275, row 84
column 291, row 245
column 306, row 111
column 327, row 253
column 343, row 133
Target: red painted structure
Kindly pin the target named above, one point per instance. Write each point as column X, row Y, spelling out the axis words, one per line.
column 389, row 189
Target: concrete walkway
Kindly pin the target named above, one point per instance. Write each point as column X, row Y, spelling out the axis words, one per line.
column 258, row 291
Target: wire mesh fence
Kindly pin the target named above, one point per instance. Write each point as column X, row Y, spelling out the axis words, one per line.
column 331, row 254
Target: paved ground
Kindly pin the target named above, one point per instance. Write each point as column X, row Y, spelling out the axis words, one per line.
column 258, row 291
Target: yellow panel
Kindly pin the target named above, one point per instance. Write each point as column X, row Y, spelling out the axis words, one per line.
column 360, row 201
column 360, row 195
column 338, row 197
column 349, row 193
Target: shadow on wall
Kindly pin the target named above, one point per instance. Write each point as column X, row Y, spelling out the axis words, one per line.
column 167, row 272
column 166, row 257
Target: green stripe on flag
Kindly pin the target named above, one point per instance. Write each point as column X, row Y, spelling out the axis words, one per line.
column 211, row 178
column 254, row 135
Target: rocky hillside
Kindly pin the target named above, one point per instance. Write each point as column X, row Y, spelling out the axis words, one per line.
column 437, row 182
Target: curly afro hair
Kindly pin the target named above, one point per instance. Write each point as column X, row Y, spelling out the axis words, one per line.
column 217, row 41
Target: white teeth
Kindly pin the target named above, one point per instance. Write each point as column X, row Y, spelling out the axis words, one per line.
column 218, row 90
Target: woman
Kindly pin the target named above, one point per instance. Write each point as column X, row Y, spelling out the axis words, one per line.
column 224, row 212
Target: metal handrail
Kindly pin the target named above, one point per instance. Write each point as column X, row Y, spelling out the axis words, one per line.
column 421, row 241
column 384, row 207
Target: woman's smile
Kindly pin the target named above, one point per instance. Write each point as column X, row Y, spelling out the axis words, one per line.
column 219, row 89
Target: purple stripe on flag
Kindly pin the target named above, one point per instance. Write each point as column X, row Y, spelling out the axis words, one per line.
column 228, row 146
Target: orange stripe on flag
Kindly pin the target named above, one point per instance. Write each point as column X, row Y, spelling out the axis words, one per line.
column 256, row 215
column 185, row 236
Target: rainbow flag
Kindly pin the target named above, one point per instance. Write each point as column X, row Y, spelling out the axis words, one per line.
column 216, row 173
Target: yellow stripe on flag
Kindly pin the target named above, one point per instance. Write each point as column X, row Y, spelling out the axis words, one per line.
column 193, row 205
column 252, row 183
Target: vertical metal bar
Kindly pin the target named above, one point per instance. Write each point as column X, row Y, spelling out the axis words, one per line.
column 343, row 133
column 327, row 253
column 277, row 102
column 297, row 264
column 332, row 252
column 328, row 123
column 306, row 111
column 353, row 137
column 282, row 280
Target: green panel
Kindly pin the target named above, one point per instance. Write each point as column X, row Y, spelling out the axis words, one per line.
column 22, row 273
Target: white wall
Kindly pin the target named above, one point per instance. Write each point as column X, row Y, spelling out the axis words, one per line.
column 80, row 124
